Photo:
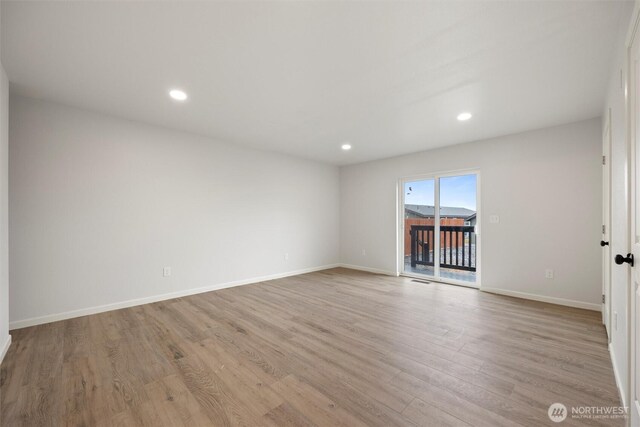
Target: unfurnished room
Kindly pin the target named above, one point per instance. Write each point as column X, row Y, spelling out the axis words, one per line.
column 320, row 213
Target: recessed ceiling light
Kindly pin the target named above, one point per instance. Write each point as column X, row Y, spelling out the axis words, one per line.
column 178, row 95
column 464, row 116
column 346, row 147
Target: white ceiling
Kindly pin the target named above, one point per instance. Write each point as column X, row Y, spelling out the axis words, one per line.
column 304, row 77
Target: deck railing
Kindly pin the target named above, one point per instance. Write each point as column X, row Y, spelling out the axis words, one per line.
column 457, row 246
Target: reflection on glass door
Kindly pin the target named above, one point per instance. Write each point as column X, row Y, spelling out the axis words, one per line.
column 440, row 216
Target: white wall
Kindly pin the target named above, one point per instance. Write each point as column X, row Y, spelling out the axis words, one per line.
column 619, row 239
column 5, row 339
column 545, row 186
column 99, row 205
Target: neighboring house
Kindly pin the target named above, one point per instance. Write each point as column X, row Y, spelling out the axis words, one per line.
column 470, row 220
column 426, row 211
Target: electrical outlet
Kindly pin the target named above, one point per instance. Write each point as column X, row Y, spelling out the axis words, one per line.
column 364, row 252
column 548, row 273
column 166, row 272
column 286, row 256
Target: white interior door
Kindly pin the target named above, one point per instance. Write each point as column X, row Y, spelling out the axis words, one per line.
column 606, row 225
column 634, row 211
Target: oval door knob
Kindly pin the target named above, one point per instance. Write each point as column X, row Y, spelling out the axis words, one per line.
column 621, row 259
column 603, row 243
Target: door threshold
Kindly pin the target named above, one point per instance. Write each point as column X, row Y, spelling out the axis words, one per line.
column 442, row 281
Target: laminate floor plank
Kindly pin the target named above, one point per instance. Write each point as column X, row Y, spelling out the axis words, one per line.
column 330, row 348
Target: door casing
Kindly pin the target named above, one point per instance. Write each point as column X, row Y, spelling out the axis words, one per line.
column 606, row 223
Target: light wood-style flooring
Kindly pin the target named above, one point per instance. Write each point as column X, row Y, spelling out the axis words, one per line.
column 331, row 348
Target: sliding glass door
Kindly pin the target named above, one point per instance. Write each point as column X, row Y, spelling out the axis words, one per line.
column 439, row 230
column 458, row 215
column 419, row 227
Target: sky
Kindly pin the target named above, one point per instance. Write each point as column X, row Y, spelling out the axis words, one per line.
column 455, row 191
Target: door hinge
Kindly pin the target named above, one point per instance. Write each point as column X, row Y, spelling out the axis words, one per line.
column 604, row 160
column 603, row 299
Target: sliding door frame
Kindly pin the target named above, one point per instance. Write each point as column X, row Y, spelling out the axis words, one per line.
column 401, row 231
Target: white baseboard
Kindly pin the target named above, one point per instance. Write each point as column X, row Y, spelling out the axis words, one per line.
column 369, row 269
column 5, row 348
column 17, row 324
column 542, row 298
column 616, row 375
